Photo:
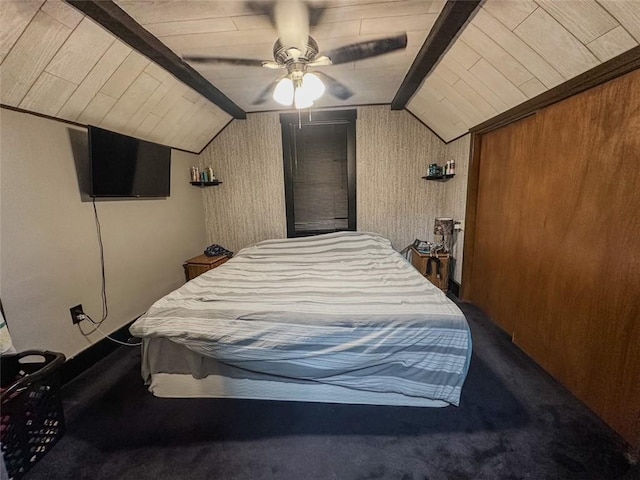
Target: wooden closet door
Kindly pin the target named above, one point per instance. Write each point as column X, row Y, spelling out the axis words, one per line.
column 501, row 265
column 556, row 250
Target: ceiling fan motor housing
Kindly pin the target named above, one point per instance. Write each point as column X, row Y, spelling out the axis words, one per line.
column 285, row 55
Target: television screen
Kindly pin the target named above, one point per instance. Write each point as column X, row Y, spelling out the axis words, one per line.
column 123, row 166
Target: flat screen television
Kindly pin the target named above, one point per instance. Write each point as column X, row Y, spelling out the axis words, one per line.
column 123, row 166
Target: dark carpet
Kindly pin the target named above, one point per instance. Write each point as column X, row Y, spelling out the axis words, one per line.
column 514, row 422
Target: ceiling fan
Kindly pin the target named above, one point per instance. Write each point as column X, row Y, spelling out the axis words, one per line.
column 298, row 52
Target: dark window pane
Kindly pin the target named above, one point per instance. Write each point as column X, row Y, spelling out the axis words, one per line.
column 320, row 178
column 319, row 154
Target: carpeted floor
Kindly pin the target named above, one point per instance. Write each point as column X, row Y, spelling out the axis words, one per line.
column 514, row 422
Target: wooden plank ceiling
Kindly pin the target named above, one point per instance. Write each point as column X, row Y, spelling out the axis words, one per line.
column 512, row 51
column 231, row 29
column 59, row 63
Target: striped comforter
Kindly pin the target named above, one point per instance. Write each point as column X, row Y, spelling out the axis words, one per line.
column 341, row 308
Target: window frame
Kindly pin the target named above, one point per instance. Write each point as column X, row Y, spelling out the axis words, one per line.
column 290, row 123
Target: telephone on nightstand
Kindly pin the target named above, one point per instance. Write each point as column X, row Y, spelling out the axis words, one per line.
column 430, row 248
column 216, row 250
column 420, row 244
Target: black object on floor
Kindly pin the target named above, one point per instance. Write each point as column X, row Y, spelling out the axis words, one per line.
column 32, row 419
column 514, row 422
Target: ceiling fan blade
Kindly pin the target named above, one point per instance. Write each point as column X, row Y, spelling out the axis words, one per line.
column 262, row 7
column 320, row 61
column 244, row 62
column 371, row 48
column 334, row 87
column 315, row 13
column 292, row 22
column 273, row 65
column 267, row 93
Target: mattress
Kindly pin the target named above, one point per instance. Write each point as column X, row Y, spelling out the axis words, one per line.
column 177, row 372
column 341, row 309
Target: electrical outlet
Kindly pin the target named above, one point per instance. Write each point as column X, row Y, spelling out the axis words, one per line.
column 77, row 314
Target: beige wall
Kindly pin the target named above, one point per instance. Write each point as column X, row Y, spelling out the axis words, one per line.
column 49, row 248
column 393, row 153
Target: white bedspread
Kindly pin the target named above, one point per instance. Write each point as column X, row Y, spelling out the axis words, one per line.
column 343, row 309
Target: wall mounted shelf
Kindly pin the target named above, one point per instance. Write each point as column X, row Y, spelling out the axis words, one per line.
column 206, row 184
column 439, row 178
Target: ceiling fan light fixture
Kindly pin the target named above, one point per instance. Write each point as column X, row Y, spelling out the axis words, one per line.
column 313, row 86
column 298, row 89
column 303, row 98
column 283, row 93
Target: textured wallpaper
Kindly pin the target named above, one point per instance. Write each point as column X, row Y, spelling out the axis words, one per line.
column 249, row 206
column 393, row 153
column 455, row 198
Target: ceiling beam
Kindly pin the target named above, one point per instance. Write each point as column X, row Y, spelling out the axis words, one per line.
column 118, row 22
column 452, row 18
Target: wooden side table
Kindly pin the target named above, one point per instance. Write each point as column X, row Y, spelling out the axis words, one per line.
column 434, row 268
column 198, row 265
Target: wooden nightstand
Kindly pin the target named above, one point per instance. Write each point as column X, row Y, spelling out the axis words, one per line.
column 198, row 265
column 438, row 276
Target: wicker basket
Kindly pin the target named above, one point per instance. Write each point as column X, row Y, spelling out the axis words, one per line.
column 32, row 420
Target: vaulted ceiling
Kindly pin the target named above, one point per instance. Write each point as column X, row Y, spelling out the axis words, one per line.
column 58, row 62
column 230, row 29
column 512, row 51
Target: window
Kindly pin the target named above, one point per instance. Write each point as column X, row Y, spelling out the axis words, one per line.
column 319, row 169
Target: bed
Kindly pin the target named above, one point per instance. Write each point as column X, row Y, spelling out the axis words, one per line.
column 340, row 317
